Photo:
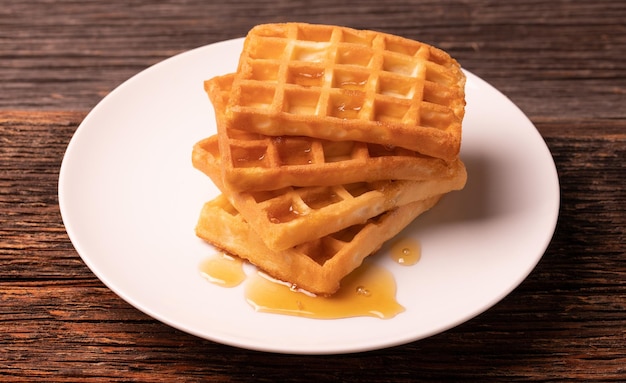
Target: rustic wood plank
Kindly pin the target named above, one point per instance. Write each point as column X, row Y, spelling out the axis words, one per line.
column 75, row 53
column 33, row 241
column 560, row 61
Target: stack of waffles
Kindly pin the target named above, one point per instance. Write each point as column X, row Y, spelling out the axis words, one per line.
column 329, row 142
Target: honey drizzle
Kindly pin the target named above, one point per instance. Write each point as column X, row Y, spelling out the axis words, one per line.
column 223, row 269
column 368, row 291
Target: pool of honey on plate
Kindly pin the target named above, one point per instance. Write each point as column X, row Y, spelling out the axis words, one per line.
column 223, row 269
column 370, row 290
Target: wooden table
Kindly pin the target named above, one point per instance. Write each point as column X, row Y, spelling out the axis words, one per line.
column 561, row 62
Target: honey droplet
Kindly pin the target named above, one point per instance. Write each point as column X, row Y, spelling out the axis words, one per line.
column 346, row 111
column 368, row 291
column 223, row 269
column 307, row 79
column 352, row 84
column 406, row 251
column 361, row 290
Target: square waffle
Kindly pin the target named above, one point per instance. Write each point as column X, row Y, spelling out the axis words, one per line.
column 341, row 84
column 291, row 215
column 317, row 266
column 252, row 161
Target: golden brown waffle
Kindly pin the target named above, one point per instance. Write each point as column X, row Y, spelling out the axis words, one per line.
column 341, row 84
column 252, row 161
column 291, row 215
column 317, row 266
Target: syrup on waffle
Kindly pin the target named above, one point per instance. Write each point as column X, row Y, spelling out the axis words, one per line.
column 341, row 84
column 291, row 215
column 252, row 161
column 316, row 266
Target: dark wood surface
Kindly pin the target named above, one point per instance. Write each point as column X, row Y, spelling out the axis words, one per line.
column 562, row 62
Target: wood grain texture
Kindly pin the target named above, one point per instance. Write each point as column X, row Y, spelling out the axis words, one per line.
column 560, row 61
column 73, row 53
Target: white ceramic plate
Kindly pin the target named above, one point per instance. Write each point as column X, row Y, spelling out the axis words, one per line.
column 130, row 198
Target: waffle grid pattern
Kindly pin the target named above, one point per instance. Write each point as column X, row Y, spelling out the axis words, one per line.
column 354, row 82
column 330, row 141
column 317, row 266
column 292, row 215
column 253, row 161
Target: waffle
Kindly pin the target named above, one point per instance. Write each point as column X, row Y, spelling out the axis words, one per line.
column 341, row 84
column 317, row 266
column 252, row 161
column 291, row 215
